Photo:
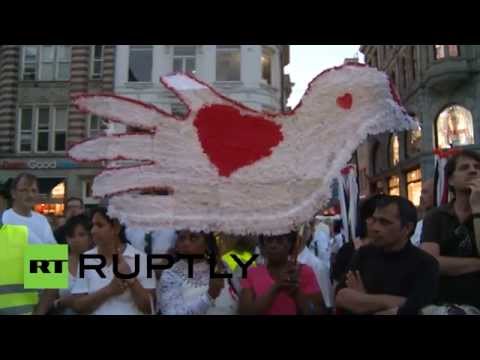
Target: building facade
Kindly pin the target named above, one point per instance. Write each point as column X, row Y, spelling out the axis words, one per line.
column 37, row 82
column 440, row 86
column 251, row 74
column 38, row 123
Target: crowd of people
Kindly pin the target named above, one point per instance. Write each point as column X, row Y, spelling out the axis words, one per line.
column 403, row 260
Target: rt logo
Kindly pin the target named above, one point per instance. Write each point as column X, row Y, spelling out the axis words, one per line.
column 46, row 267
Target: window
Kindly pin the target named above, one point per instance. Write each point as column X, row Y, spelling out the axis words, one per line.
column 26, row 130
column 96, row 62
column 46, row 62
column 140, row 63
column 394, row 186
column 60, row 130
column 184, row 59
column 439, row 52
column 179, row 110
column 55, row 62
column 414, row 142
column 228, row 62
column 42, row 129
column 414, row 186
column 394, row 150
column 267, row 66
column 30, row 59
column 62, row 57
column 454, row 127
column 443, row 51
column 453, row 50
column 96, row 126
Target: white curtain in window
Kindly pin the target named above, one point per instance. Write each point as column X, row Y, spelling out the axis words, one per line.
column 455, row 127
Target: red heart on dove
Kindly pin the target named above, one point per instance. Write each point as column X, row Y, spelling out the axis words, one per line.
column 345, row 101
column 232, row 140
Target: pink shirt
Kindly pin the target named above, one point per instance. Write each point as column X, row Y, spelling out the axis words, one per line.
column 259, row 280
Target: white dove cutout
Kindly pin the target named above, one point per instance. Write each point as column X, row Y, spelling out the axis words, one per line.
column 230, row 168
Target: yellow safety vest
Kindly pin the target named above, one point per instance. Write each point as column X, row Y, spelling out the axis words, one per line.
column 14, row 298
column 244, row 256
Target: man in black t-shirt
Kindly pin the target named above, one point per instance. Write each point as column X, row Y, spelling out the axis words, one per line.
column 389, row 276
column 451, row 233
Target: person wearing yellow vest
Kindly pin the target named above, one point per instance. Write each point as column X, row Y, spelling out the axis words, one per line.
column 14, row 299
column 244, row 247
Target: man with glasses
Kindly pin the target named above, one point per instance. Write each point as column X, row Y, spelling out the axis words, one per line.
column 24, row 190
column 451, row 233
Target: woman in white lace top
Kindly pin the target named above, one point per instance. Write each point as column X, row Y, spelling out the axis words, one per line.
column 177, row 294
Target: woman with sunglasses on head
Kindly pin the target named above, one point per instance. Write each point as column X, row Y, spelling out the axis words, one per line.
column 112, row 295
column 281, row 286
column 178, row 294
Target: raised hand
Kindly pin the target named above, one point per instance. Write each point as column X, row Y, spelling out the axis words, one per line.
column 474, row 186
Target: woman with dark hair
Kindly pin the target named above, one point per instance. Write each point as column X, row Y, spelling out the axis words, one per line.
column 348, row 250
column 178, row 294
column 77, row 233
column 111, row 295
column 281, row 286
